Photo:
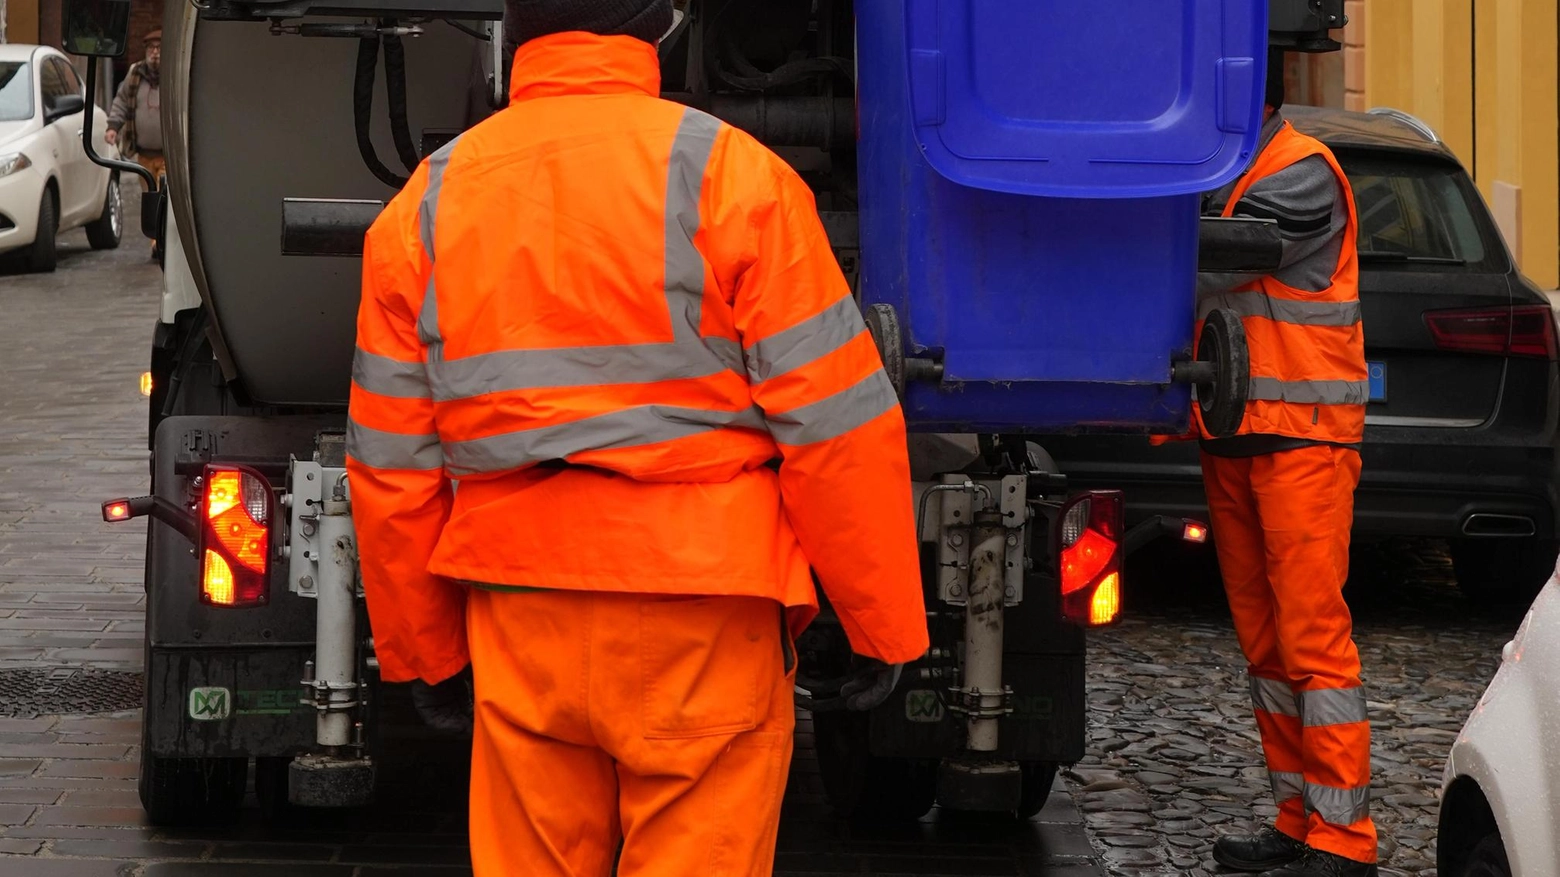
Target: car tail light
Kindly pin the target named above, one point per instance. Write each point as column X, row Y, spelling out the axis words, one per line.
column 1089, row 557
column 1528, row 330
column 235, row 537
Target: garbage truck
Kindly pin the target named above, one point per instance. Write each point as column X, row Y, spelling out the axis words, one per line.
column 1010, row 186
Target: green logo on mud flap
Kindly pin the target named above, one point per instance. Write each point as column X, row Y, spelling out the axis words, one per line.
column 923, row 705
column 267, row 702
column 210, row 704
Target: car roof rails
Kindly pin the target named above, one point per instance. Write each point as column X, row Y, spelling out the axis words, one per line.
column 256, row 10
column 1411, row 121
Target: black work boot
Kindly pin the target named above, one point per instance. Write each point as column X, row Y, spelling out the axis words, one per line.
column 1265, row 850
column 1316, row 863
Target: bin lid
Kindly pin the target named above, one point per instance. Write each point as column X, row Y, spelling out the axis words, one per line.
column 1069, row 99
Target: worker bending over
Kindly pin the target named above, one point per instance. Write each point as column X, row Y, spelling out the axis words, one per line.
column 1281, row 499
column 605, row 317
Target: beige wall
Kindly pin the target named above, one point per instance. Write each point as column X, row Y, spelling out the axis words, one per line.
column 1483, row 74
column 21, row 21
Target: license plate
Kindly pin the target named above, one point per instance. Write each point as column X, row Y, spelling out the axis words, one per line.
column 1378, row 381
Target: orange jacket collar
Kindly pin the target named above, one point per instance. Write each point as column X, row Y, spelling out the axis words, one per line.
column 575, row 63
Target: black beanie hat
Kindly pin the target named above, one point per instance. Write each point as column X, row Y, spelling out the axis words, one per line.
column 525, row 20
column 1275, row 79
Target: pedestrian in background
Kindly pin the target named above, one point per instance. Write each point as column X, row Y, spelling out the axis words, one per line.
column 1281, row 502
column 135, row 119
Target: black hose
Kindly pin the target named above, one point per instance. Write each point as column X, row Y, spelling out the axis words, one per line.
column 468, row 30
column 395, row 88
column 363, row 109
column 192, row 342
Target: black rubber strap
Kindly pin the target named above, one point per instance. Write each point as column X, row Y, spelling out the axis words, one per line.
column 363, row 110
column 395, row 89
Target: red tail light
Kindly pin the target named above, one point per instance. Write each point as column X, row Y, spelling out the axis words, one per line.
column 235, row 537
column 1089, row 556
column 1528, row 330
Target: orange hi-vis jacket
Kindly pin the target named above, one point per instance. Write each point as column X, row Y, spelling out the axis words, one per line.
column 602, row 316
column 1308, row 374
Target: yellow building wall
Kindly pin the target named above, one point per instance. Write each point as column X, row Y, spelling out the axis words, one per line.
column 21, row 21
column 1483, row 73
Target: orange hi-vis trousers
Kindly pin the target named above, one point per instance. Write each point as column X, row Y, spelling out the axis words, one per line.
column 662, row 722
column 1281, row 522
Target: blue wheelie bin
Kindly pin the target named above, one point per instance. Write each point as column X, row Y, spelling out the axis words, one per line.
column 1030, row 173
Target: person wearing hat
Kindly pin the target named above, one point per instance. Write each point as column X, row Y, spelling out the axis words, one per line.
column 1281, row 501
column 135, row 119
column 617, row 324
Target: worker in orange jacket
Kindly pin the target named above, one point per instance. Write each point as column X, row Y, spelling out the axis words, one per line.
column 1281, row 499
column 606, row 317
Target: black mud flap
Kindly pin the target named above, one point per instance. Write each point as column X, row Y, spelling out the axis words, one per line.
column 226, row 703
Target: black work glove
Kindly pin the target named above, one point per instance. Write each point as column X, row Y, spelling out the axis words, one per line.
column 870, row 684
column 448, row 706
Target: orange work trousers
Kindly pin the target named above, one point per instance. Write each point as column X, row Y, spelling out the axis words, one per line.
column 660, row 722
column 1281, row 522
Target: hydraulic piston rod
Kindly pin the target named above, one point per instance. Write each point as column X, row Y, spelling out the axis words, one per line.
column 336, row 622
column 983, row 691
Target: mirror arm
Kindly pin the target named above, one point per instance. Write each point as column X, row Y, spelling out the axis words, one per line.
column 86, row 135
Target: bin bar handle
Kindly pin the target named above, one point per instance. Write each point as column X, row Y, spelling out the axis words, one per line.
column 326, row 227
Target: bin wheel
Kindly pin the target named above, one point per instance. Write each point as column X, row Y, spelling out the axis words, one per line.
column 864, row 787
column 883, row 322
column 1222, row 403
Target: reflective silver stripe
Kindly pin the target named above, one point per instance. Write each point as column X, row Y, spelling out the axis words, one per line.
column 580, row 367
column 630, row 427
column 688, row 355
column 1273, row 696
column 1310, row 392
column 389, row 377
column 392, row 450
column 427, row 213
column 685, row 181
column 1332, row 706
column 813, row 338
column 1338, row 806
column 1281, row 310
column 836, row 415
column 1286, row 785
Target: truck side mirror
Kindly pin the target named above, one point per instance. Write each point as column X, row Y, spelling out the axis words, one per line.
column 96, row 28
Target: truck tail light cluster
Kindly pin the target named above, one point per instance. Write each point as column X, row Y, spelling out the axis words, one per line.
column 1526, row 330
column 235, row 537
column 1089, row 556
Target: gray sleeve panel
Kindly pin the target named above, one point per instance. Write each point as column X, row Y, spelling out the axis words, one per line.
column 1307, row 201
column 123, row 106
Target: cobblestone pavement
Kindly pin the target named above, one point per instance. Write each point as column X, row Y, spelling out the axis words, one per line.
column 72, row 433
column 1174, row 756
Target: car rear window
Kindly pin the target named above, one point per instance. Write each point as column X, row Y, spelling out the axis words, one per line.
column 15, row 92
column 1419, row 213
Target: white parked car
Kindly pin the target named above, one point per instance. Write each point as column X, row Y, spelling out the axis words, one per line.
column 47, row 183
column 1500, row 803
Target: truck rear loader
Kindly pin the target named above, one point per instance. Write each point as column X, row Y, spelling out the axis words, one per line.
column 1011, row 187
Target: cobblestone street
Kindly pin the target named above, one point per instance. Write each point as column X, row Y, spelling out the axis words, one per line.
column 1174, row 757
column 1173, row 753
